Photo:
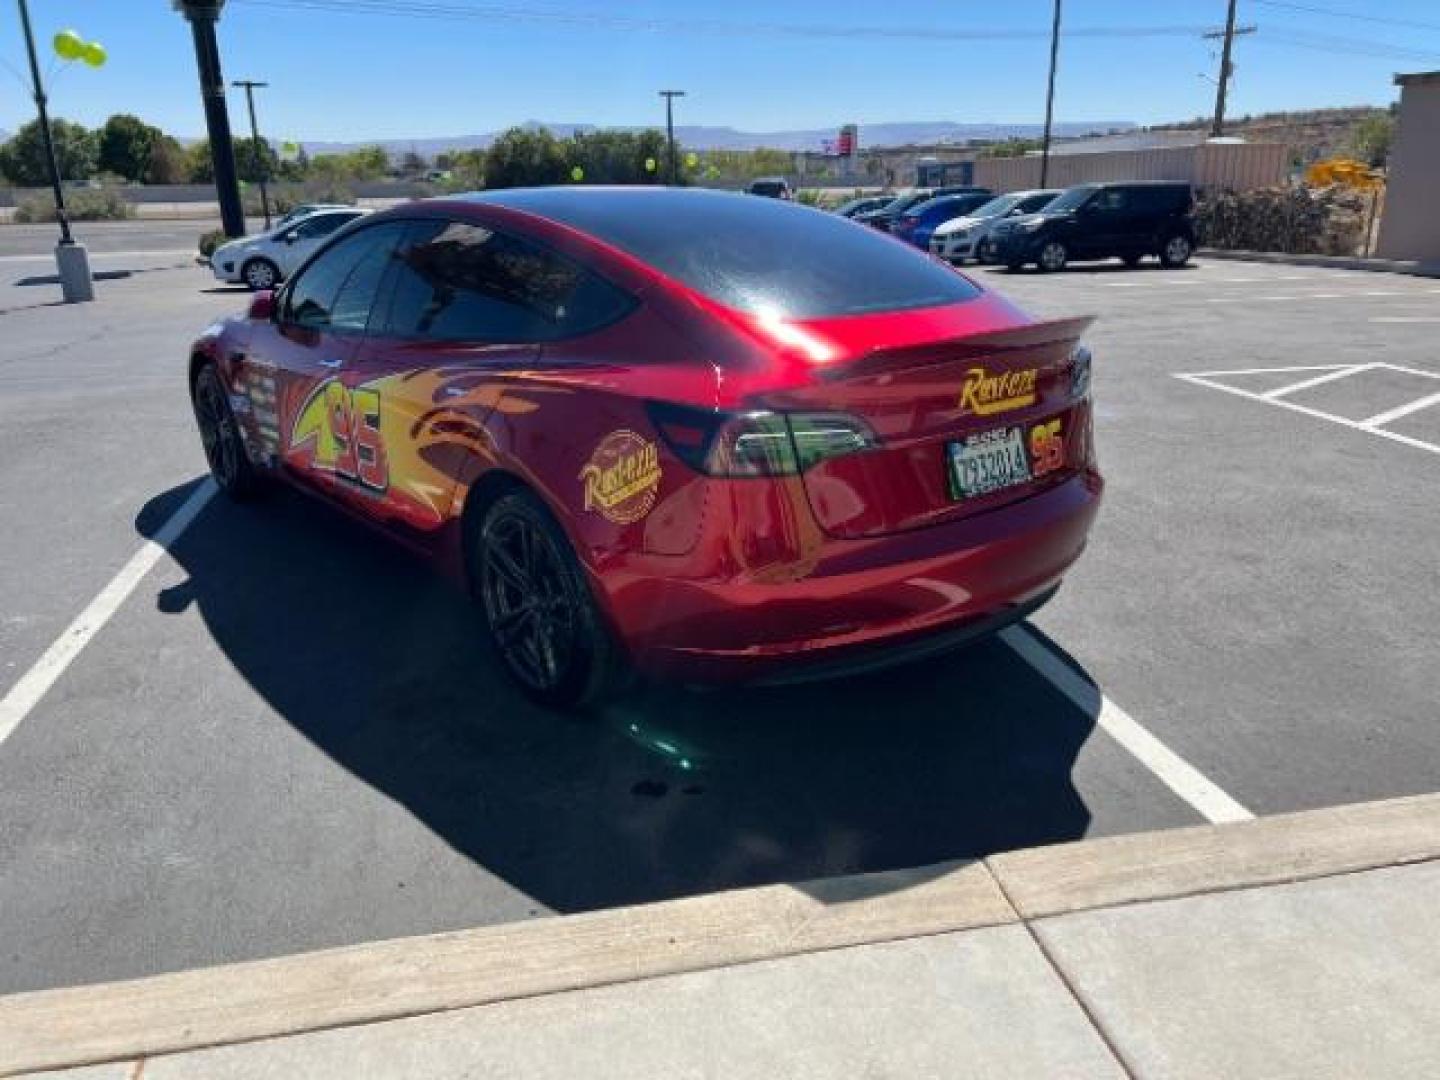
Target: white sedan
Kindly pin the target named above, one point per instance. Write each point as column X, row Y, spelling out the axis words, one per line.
column 962, row 238
column 263, row 261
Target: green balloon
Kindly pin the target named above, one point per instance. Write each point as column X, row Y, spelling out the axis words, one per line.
column 95, row 54
column 650, row 164
column 577, row 174
column 69, row 45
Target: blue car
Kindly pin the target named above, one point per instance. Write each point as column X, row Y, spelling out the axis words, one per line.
column 916, row 225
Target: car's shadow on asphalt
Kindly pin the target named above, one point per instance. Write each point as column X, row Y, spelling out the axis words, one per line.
column 382, row 665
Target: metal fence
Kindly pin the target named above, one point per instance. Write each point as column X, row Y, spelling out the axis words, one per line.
column 1224, row 166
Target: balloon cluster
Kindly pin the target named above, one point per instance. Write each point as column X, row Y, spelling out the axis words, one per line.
column 71, row 46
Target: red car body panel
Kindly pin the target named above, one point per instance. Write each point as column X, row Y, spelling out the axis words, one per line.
column 698, row 576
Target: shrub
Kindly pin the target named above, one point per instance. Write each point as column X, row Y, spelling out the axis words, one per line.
column 211, row 240
column 1296, row 220
column 80, row 205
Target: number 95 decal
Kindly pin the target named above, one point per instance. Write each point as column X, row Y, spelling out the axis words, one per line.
column 1047, row 447
column 343, row 427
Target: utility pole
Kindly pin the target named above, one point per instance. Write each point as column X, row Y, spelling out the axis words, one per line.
column 202, row 16
column 262, row 158
column 1217, row 127
column 71, row 259
column 670, row 96
column 1050, row 96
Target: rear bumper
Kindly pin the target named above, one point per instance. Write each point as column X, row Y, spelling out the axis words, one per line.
column 846, row 605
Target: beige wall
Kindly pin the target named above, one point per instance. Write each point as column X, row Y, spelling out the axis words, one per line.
column 1235, row 166
column 1410, row 228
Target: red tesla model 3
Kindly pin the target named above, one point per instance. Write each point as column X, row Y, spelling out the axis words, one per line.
column 699, row 434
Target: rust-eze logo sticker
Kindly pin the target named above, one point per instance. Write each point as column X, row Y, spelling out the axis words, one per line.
column 622, row 477
column 985, row 394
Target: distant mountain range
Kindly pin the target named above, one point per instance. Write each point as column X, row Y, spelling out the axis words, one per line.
column 901, row 133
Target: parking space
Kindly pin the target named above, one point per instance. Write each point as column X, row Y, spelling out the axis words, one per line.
column 286, row 735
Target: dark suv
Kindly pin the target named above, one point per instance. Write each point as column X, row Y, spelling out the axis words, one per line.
column 1098, row 221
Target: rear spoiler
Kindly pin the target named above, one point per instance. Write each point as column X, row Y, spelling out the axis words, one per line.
column 988, row 343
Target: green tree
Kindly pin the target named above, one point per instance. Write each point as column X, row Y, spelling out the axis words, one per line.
column 167, row 162
column 521, row 157
column 125, row 144
column 255, row 159
column 199, row 168
column 617, row 157
column 413, row 164
column 22, row 159
column 1370, row 139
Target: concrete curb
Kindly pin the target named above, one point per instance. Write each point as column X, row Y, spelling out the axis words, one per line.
column 414, row 976
column 1335, row 262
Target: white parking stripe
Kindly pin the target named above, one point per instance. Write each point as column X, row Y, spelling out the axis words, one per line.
column 1186, row 781
column 1404, row 318
column 1318, row 380
column 36, row 682
column 1381, row 419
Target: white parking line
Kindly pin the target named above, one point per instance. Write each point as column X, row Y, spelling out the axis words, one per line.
column 1405, row 318
column 35, row 683
column 1371, row 426
column 1186, row 781
column 1318, row 380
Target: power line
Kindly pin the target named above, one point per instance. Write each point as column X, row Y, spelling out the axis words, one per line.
column 430, row 9
column 1347, row 46
column 1379, row 20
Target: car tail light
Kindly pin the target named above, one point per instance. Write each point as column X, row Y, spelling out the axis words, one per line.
column 759, row 443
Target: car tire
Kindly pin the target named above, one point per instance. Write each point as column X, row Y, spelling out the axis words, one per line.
column 546, row 629
column 1175, row 251
column 220, row 437
column 1052, row 257
column 260, row 274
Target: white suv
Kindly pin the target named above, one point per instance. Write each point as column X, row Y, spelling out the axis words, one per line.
column 263, row 261
column 964, row 237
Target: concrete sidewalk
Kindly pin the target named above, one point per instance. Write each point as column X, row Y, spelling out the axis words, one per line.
column 1303, row 945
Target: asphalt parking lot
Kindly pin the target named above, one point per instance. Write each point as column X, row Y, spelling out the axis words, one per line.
column 285, row 735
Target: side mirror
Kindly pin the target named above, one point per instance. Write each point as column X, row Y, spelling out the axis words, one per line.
column 288, row 237
column 262, row 306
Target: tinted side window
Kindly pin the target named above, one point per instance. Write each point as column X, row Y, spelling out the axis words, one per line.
column 1111, row 200
column 456, row 281
column 322, row 225
column 311, row 298
column 1033, row 203
column 356, row 297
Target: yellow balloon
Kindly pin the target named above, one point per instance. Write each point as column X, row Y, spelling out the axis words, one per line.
column 69, row 45
column 692, row 159
column 577, row 174
column 95, row 54
column 650, row 164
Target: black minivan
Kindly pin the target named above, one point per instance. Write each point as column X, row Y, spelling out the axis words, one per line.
column 1101, row 221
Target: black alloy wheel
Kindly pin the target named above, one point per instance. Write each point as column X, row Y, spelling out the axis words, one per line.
column 543, row 622
column 220, row 437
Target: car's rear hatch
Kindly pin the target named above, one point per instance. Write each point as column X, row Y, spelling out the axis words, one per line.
column 968, row 419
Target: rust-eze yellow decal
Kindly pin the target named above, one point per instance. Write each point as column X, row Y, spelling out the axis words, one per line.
column 985, row 394
column 622, row 477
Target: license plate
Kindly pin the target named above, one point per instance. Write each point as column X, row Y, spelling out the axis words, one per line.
column 990, row 461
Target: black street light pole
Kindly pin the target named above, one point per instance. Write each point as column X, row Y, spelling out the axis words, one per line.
column 71, row 259
column 670, row 96
column 51, row 162
column 1050, row 96
column 202, row 16
column 262, row 159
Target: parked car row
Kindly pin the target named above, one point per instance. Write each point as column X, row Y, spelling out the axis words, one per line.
column 1049, row 228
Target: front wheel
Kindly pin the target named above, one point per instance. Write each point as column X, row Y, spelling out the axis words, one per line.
column 260, row 274
column 544, row 624
column 220, row 436
column 1175, row 252
column 1053, row 256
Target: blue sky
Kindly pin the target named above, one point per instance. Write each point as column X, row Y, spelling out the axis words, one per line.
column 352, row 76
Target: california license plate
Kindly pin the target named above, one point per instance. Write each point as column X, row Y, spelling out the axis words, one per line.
column 988, row 462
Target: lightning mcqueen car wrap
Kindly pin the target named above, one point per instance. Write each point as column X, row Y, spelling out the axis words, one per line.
column 693, row 433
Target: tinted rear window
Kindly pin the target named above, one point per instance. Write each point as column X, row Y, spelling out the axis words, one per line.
column 757, row 254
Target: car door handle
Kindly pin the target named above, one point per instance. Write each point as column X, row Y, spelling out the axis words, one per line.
column 331, row 363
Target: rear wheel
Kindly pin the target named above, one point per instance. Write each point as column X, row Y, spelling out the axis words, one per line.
column 1175, row 252
column 220, row 436
column 1053, row 256
column 260, row 274
column 544, row 624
